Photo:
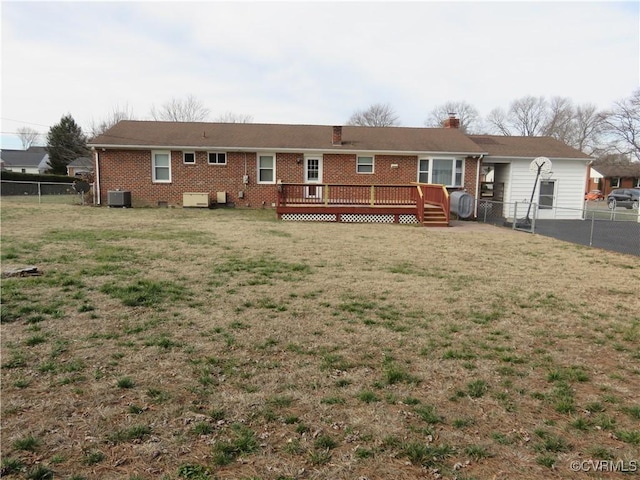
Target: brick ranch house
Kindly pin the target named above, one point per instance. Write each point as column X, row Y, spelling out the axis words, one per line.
column 160, row 162
column 608, row 177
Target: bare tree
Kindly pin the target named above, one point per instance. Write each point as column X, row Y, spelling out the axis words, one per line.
column 118, row 113
column 176, row 110
column 559, row 121
column 497, row 119
column 587, row 128
column 377, row 115
column 466, row 113
column 622, row 123
column 27, row 136
column 230, row 117
column 526, row 116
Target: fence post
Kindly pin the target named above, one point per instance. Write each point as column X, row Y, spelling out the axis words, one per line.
column 593, row 218
column 372, row 195
column 39, row 194
column 515, row 216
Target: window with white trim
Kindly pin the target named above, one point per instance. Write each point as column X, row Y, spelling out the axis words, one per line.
column 636, row 183
column 615, row 182
column 444, row 171
column 364, row 164
column 423, row 170
column 161, row 166
column 189, row 158
column 266, row 168
column 217, row 158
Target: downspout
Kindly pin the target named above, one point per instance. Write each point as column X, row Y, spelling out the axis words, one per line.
column 475, row 209
column 96, row 190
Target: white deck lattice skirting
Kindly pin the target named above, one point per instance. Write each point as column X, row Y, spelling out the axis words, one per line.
column 361, row 218
column 408, row 219
column 309, row 217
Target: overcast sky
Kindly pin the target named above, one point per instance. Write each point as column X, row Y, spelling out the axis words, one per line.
column 308, row 62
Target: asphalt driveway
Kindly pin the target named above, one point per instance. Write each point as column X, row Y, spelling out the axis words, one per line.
column 623, row 237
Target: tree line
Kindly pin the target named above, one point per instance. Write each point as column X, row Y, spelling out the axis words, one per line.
column 611, row 135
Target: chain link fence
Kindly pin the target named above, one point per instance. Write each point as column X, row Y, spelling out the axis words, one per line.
column 596, row 225
column 78, row 193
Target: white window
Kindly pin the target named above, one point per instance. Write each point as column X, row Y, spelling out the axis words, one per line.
column 217, row 158
column 189, row 158
column 636, row 184
column 444, row 171
column 266, row 168
column 423, row 170
column 615, row 182
column 364, row 165
column 161, row 161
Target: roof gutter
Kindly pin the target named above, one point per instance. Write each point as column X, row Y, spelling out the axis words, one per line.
column 314, row 150
column 96, row 190
column 475, row 210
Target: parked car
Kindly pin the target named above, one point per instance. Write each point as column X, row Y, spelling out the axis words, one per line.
column 624, row 197
column 594, row 195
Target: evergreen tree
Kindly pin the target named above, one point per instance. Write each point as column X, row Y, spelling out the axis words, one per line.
column 65, row 143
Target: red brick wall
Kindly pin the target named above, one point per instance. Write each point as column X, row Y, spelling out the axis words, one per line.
column 470, row 175
column 132, row 170
column 341, row 168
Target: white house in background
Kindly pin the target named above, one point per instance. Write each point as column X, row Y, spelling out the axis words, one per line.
column 33, row 160
column 559, row 194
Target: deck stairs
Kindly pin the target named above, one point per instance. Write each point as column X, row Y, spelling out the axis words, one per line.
column 434, row 216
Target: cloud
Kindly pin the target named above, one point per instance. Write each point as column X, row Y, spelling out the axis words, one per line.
column 310, row 62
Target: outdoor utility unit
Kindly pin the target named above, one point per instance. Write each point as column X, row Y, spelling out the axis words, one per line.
column 462, row 204
column 221, row 197
column 192, row 199
column 119, row 198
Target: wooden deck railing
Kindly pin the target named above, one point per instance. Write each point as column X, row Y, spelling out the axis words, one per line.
column 437, row 195
column 342, row 194
column 415, row 195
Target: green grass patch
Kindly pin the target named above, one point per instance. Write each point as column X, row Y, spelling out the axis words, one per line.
column 146, row 293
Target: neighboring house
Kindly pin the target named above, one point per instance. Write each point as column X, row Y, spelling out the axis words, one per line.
column 158, row 162
column 608, row 177
column 33, row 160
column 80, row 166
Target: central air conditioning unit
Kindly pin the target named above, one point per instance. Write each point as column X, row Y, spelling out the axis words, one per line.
column 119, row 198
column 195, row 200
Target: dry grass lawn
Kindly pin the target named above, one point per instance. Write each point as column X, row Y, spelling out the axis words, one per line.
column 195, row 344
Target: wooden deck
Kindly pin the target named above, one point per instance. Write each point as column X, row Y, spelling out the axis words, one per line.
column 424, row 204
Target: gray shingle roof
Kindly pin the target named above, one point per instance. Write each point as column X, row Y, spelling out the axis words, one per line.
column 254, row 136
column 501, row 146
column 23, row 158
column 81, row 162
column 624, row 171
column 284, row 137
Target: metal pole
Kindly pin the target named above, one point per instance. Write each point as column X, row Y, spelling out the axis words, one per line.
column 535, row 215
column 593, row 218
column 39, row 194
column 515, row 216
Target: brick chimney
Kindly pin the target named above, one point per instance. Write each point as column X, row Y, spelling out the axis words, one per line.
column 337, row 135
column 452, row 121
